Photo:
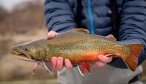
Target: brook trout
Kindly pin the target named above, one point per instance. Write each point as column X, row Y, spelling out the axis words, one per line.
column 80, row 48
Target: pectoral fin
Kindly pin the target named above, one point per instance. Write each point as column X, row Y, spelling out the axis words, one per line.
column 34, row 68
column 48, row 67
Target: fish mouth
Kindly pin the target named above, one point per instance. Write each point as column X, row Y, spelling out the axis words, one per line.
column 20, row 53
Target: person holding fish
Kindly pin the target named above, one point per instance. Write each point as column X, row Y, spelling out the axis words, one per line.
column 96, row 16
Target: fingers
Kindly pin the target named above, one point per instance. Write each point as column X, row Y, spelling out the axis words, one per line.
column 51, row 34
column 68, row 64
column 100, row 64
column 53, row 63
column 104, row 59
column 58, row 63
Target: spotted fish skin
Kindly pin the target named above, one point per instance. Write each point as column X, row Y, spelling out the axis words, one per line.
column 78, row 46
column 76, row 51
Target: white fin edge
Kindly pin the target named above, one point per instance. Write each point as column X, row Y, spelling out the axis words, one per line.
column 80, row 71
column 34, row 68
column 47, row 68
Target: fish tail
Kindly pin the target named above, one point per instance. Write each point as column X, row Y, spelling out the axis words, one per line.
column 132, row 60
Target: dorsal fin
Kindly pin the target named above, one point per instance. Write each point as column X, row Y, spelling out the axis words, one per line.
column 82, row 30
column 109, row 37
column 112, row 39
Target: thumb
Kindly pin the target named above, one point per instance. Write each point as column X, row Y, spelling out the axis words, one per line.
column 51, row 34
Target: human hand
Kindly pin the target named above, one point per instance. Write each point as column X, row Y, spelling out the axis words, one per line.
column 57, row 62
column 102, row 59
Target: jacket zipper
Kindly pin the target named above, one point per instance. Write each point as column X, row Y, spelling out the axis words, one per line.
column 90, row 17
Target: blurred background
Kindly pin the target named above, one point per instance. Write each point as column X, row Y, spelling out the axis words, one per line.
column 21, row 21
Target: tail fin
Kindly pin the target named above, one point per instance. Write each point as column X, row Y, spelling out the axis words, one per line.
column 132, row 60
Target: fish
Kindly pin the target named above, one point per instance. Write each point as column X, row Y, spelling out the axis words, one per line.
column 80, row 47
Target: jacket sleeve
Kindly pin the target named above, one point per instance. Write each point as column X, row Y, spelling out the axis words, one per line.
column 59, row 16
column 133, row 24
column 132, row 28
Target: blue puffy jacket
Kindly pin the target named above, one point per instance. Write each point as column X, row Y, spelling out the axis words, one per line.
column 60, row 16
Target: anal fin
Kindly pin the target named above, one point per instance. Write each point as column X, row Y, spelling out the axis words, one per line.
column 84, row 68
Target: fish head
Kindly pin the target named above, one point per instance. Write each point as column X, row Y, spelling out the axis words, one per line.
column 30, row 52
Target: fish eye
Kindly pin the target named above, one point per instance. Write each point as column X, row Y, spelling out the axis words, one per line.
column 25, row 49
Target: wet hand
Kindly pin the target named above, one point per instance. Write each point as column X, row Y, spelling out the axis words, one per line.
column 57, row 62
column 102, row 59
